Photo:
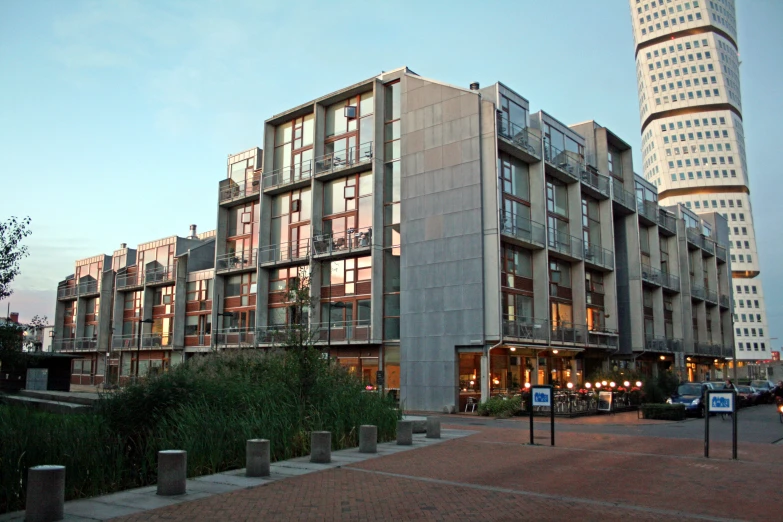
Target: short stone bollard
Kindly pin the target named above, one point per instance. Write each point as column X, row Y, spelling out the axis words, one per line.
column 45, row 493
column 368, row 439
column 321, row 447
column 433, row 428
column 172, row 472
column 404, row 433
column 257, row 458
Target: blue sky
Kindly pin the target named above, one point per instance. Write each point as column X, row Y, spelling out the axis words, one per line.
column 116, row 117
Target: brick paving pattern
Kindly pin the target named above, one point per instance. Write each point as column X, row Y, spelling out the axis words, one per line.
column 493, row 475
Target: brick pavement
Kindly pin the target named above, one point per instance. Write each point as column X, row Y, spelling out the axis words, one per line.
column 493, row 475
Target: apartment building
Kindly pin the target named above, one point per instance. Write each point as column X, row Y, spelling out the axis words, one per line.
column 453, row 244
column 693, row 143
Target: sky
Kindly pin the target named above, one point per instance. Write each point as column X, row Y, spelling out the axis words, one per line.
column 116, row 117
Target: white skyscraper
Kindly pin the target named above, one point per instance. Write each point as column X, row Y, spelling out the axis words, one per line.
column 693, row 144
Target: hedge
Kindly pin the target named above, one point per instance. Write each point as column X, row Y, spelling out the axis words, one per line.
column 674, row 412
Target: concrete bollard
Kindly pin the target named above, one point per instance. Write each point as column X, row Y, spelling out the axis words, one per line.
column 172, row 472
column 433, row 428
column 321, row 447
column 257, row 458
column 404, row 433
column 368, row 439
column 45, row 493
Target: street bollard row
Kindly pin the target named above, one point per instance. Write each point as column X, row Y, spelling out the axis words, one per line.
column 46, row 484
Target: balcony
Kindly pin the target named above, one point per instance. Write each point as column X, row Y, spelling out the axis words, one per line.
column 568, row 333
column 652, row 275
column 285, row 253
column 342, row 243
column 674, row 345
column 288, row 178
column 282, row 334
column 239, row 261
column 568, row 166
column 720, row 253
column 708, row 245
column 160, row 275
column 526, row 328
column 66, row 292
column 78, row 344
column 599, row 257
column 596, row 185
column 709, row 349
column 344, row 162
column 670, row 281
column 711, row 296
column 724, row 301
column 604, row 339
column 527, row 232
column 151, row 341
column 667, row 222
column 625, row 199
column 694, row 237
column 521, row 138
column 88, row 287
column 342, row 331
column 125, row 281
column 728, row 351
column 656, row 343
column 235, row 338
column 570, row 246
column 648, row 211
column 698, row 292
column 230, row 191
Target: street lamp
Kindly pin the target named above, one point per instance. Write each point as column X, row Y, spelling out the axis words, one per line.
column 138, row 343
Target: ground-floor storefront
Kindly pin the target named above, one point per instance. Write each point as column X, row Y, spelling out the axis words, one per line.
column 377, row 366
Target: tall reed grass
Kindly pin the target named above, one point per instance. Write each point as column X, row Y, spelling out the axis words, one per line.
column 209, row 406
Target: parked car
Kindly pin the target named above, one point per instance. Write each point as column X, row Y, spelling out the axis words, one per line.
column 746, row 396
column 766, row 389
column 691, row 394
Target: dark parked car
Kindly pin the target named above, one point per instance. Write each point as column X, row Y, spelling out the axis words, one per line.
column 766, row 390
column 691, row 394
column 746, row 396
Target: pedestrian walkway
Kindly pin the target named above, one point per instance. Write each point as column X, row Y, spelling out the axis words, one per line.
column 140, row 500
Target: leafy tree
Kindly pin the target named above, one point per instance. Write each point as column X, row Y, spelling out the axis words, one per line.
column 12, row 232
column 33, row 341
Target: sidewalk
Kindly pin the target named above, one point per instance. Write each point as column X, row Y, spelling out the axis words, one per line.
column 138, row 501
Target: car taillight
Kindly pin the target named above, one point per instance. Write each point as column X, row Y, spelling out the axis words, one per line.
column 780, row 408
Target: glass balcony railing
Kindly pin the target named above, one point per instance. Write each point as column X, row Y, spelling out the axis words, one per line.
column 568, row 333
column 161, row 274
column 605, row 339
column 656, row 343
column 596, row 181
column 239, row 260
column 288, row 175
column 565, row 161
column 622, row 196
column 670, row 281
column 528, row 328
column 724, row 301
column 342, row 331
column 230, row 189
column 698, row 291
column 651, row 275
column 522, row 137
column 149, row 341
column 235, row 338
column 667, row 221
column 648, row 209
column 720, row 253
column 128, row 280
column 340, row 242
column 66, row 291
column 704, row 348
column 522, row 228
column 728, row 351
column 340, row 160
column 694, row 237
column 285, row 252
column 88, row 287
column 708, row 245
column 284, row 334
column 77, row 344
column 711, row 296
column 566, row 244
column 599, row 256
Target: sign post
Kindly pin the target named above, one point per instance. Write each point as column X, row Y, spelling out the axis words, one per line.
column 721, row 402
column 542, row 396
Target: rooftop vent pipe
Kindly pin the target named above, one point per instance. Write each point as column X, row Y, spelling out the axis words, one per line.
column 474, row 86
column 193, row 234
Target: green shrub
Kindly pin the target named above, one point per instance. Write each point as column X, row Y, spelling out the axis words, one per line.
column 500, row 407
column 674, row 412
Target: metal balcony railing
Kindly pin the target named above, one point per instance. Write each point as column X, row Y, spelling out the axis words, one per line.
column 606, row 339
column 283, row 333
column 339, row 242
column 566, row 244
column 648, row 209
column 77, row 344
column 599, row 256
column 670, row 281
column 567, row 162
column 708, row 245
column 528, row 328
column 522, row 228
column 651, row 275
column 149, row 341
column 342, row 331
column 522, row 137
column 288, row 175
column 66, row 291
column 704, row 348
column 163, row 274
column 622, row 196
column 720, row 253
column 128, row 280
column 724, row 300
column 285, row 252
column 656, row 343
column 235, row 337
column 673, row 344
column 712, row 296
column 88, row 287
column 568, row 333
column 698, row 291
column 230, row 189
column 597, row 181
column 728, row 351
column 694, row 237
column 239, row 260
column 667, row 221
column 344, row 159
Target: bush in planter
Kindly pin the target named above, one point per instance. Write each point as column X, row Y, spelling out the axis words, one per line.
column 673, row 412
column 500, row 407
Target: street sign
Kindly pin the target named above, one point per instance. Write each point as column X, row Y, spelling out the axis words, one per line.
column 721, row 402
column 542, row 396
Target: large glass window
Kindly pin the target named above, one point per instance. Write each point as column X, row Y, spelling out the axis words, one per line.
column 391, row 211
column 591, row 221
column 294, row 145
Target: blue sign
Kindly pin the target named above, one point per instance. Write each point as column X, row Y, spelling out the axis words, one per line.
column 721, row 402
column 542, row 396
